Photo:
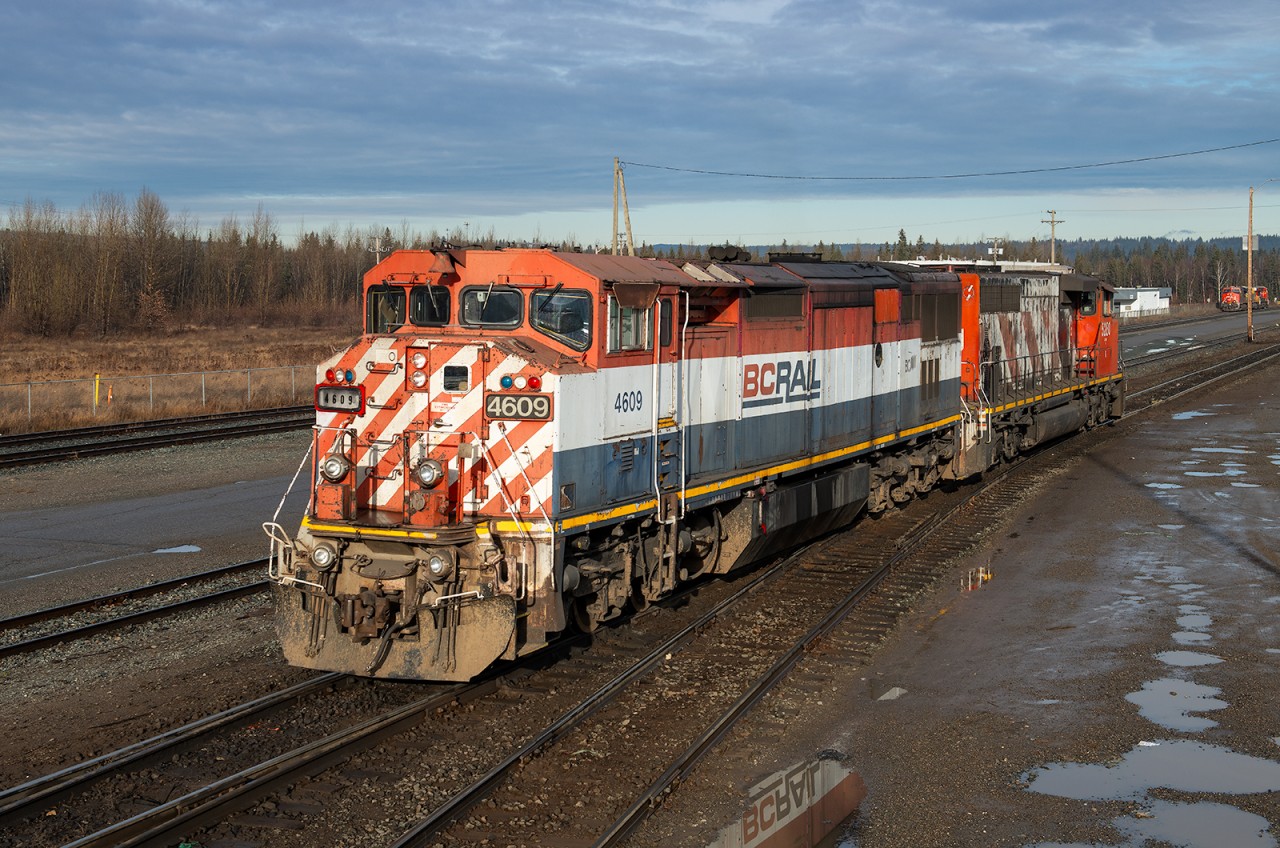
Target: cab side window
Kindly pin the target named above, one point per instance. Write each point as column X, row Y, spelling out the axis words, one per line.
column 628, row 327
column 1088, row 303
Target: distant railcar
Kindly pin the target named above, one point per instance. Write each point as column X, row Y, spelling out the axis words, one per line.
column 524, row 441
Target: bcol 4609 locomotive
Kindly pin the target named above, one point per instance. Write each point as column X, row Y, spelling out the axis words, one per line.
column 524, row 441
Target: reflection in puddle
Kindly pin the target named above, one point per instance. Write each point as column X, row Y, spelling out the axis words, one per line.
column 1233, row 450
column 1199, row 825
column 1187, row 659
column 1169, row 703
column 1176, row 764
column 801, row 805
column 181, row 549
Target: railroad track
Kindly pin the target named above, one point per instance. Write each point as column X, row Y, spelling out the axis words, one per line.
column 60, row 445
column 93, row 616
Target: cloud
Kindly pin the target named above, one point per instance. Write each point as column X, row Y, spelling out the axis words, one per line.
column 491, row 108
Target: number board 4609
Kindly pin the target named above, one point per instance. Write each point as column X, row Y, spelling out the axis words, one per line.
column 535, row 407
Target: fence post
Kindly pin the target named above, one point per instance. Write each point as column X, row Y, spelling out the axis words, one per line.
column 203, row 401
column 151, row 393
column 28, row 404
column 248, row 387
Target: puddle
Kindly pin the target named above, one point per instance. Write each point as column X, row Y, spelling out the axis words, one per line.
column 1191, row 637
column 1195, row 621
column 1176, row 764
column 1199, row 825
column 801, row 805
column 1230, row 472
column 1163, row 486
column 181, row 549
column 1185, row 587
column 1246, row 485
column 1187, row 416
column 1187, row 659
column 1171, row 526
column 1169, row 703
column 1238, row 449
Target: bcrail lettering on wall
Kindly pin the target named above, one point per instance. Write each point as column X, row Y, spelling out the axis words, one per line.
column 780, row 382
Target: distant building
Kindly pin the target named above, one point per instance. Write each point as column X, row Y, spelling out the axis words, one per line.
column 1144, row 300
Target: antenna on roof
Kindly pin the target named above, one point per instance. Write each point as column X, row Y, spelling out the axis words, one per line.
column 620, row 187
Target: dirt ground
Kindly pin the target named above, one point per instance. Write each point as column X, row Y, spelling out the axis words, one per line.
column 1112, row 685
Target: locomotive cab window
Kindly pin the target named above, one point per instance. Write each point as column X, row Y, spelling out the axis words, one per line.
column 564, row 315
column 1088, row 303
column 491, row 306
column 384, row 309
column 429, row 306
column 628, row 327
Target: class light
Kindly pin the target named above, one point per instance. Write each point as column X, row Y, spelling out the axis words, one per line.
column 506, row 382
column 350, row 375
column 521, row 382
column 330, row 376
column 535, row 383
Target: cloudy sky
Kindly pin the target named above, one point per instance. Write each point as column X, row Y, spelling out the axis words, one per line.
column 862, row 117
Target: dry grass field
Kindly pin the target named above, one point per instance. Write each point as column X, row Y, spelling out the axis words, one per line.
column 30, row 358
column 49, row 384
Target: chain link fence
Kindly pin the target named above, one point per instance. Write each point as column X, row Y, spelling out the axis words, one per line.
column 58, row 404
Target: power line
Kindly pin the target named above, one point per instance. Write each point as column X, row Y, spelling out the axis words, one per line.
column 953, row 176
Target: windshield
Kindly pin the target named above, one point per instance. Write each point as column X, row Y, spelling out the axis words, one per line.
column 563, row 314
column 491, row 306
column 429, row 306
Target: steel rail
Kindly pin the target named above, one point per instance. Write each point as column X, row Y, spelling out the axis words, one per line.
column 422, row 832
column 51, row 639
column 160, row 825
column 62, row 610
column 208, row 431
column 20, row 801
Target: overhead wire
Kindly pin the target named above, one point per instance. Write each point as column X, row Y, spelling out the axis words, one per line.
column 976, row 174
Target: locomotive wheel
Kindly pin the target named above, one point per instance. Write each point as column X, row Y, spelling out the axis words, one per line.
column 583, row 618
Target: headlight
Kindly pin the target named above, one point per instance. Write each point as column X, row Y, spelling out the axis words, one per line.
column 419, row 379
column 324, row 557
column 439, row 567
column 429, row 473
column 419, row 359
column 335, row 467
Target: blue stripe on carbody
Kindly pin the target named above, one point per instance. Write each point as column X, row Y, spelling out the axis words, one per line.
column 602, row 476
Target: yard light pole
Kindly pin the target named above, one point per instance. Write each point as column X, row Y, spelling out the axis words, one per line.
column 1249, row 284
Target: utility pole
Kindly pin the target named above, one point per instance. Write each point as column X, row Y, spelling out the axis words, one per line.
column 1053, row 223
column 1248, row 333
column 995, row 250
column 620, row 188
